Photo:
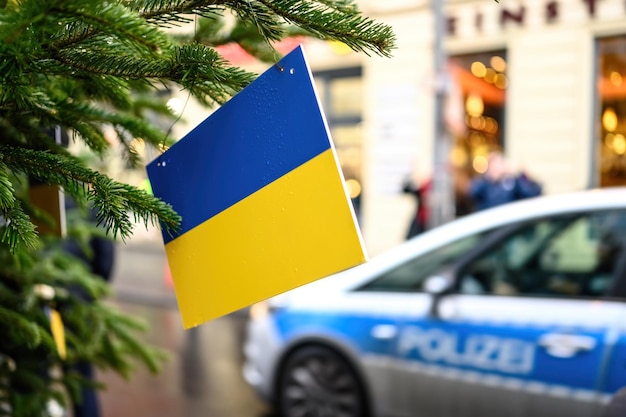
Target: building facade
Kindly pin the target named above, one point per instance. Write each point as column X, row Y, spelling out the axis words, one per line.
column 541, row 80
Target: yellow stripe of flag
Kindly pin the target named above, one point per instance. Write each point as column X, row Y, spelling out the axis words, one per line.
column 295, row 230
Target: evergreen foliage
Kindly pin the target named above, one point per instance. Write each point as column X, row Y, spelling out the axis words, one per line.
column 87, row 65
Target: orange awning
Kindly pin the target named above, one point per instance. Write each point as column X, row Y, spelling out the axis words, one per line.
column 610, row 91
column 470, row 84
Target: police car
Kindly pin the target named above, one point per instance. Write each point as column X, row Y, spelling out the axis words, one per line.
column 516, row 311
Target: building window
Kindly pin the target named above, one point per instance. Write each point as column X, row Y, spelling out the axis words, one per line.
column 611, row 92
column 475, row 115
column 341, row 94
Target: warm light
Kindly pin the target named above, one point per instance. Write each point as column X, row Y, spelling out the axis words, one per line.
column 609, row 119
column 474, row 105
column 354, row 188
column 490, row 75
column 498, row 63
column 491, row 125
column 482, row 149
column 501, row 81
column 480, row 164
column 476, row 139
column 138, row 145
column 339, row 48
column 477, row 123
column 615, row 78
column 175, row 105
column 478, row 69
column 619, row 144
column 458, row 156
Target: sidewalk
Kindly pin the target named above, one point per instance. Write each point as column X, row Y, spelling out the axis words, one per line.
column 202, row 376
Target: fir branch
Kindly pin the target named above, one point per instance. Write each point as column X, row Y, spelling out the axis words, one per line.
column 114, row 358
column 129, row 152
column 90, row 132
column 105, row 62
column 206, row 74
column 120, row 327
column 342, row 6
column 62, row 271
column 261, row 15
column 21, row 327
column 324, row 20
column 169, row 13
column 196, row 67
column 7, row 192
column 207, row 32
column 114, row 19
column 75, row 31
column 119, row 345
column 16, row 17
column 114, row 91
column 113, row 200
column 87, row 122
column 19, row 231
column 22, row 97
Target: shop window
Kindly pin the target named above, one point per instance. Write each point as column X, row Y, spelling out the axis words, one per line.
column 479, row 83
column 340, row 92
column 611, row 91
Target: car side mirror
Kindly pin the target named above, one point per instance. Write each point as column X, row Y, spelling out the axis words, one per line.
column 438, row 285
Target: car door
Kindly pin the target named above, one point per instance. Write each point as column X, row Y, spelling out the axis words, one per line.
column 525, row 331
column 613, row 385
column 396, row 294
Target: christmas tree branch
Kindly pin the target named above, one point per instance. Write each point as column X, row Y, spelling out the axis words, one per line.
column 169, row 13
column 327, row 19
column 337, row 23
column 113, row 200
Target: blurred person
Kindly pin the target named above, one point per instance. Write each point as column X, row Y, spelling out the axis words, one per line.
column 499, row 185
column 98, row 256
column 419, row 221
column 463, row 204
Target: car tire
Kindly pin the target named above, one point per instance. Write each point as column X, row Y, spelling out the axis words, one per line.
column 316, row 381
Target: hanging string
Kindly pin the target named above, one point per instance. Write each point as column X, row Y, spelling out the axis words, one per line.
column 162, row 148
column 180, row 115
column 276, row 57
column 267, row 41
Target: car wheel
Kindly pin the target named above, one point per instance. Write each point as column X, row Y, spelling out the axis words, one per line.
column 318, row 382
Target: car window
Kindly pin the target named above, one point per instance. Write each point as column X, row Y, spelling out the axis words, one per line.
column 410, row 275
column 562, row 256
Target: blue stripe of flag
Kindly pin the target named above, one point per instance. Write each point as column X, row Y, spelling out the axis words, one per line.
column 243, row 146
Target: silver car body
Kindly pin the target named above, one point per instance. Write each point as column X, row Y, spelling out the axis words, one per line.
column 474, row 354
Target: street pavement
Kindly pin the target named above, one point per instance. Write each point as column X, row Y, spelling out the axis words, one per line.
column 202, row 376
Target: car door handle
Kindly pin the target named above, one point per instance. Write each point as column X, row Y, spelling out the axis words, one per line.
column 563, row 345
column 384, row 331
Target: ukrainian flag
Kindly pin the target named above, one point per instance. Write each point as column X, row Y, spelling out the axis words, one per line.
column 263, row 203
